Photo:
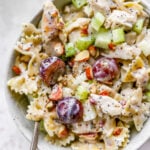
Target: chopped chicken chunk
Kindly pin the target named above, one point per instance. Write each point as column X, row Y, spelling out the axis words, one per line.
column 54, row 48
column 107, row 104
column 52, row 23
column 120, row 18
column 79, row 23
column 103, row 6
column 124, row 51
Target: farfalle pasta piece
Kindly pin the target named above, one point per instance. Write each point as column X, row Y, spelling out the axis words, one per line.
column 133, row 99
column 143, row 43
column 126, row 119
column 23, row 84
column 29, row 29
column 51, row 125
column 87, row 146
column 134, row 5
column 22, row 63
column 124, row 144
column 141, row 76
column 34, row 39
column 141, row 116
column 66, row 140
column 124, row 133
column 118, row 137
column 108, row 125
column 34, row 64
column 30, row 41
column 110, row 144
column 86, row 127
column 27, row 48
column 88, row 138
column 37, row 108
column 127, row 75
column 43, row 90
column 31, row 34
column 61, row 141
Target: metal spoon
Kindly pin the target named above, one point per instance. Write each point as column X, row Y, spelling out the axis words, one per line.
column 34, row 141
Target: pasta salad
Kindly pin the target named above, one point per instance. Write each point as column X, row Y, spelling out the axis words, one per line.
column 85, row 69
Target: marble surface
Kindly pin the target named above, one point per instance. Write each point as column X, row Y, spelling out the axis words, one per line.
column 12, row 14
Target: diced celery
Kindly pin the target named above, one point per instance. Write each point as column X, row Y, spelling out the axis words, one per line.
column 118, row 35
column 148, row 86
column 103, row 38
column 148, row 96
column 90, row 81
column 84, row 42
column 70, row 49
column 82, row 93
column 42, row 129
column 97, row 21
column 138, row 26
column 64, row 58
column 79, row 3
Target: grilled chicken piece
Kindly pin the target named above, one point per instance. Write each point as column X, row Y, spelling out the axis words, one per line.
column 74, row 35
column 107, row 104
column 124, row 51
column 103, row 6
column 131, row 38
column 79, row 23
column 51, row 23
column 54, row 48
column 120, row 18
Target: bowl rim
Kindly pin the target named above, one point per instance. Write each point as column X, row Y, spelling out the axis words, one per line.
column 22, row 129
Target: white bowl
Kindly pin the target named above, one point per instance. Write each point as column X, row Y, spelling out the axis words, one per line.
column 18, row 104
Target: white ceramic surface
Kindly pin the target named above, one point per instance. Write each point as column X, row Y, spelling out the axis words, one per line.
column 18, row 109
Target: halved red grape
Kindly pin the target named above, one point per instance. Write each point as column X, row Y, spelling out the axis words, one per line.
column 105, row 69
column 69, row 110
column 50, row 69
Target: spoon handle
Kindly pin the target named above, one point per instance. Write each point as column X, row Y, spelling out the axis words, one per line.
column 34, row 141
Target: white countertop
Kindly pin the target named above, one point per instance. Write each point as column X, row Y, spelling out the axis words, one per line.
column 12, row 14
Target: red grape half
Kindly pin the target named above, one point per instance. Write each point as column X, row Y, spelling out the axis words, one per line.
column 69, row 110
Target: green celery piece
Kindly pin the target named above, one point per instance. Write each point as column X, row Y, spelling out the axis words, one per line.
column 42, row 129
column 97, row 21
column 64, row 58
column 148, row 86
column 90, row 81
column 103, row 38
column 79, row 3
column 70, row 49
column 148, row 96
column 138, row 25
column 84, row 42
column 118, row 35
column 82, row 93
